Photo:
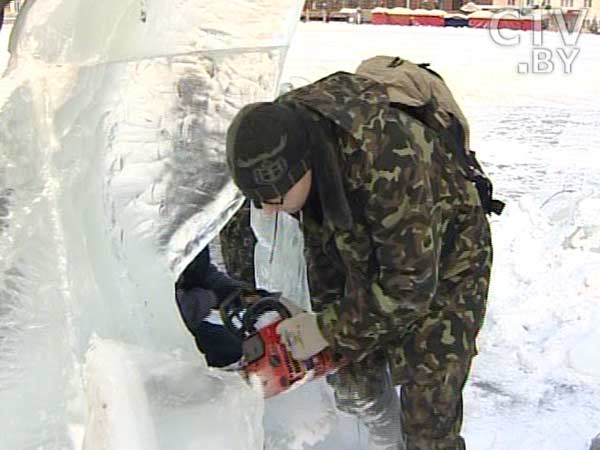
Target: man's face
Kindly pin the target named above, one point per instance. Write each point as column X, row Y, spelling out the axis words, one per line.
column 293, row 200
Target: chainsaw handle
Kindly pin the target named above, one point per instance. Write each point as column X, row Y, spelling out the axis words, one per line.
column 232, row 310
column 240, row 314
column 263, row 306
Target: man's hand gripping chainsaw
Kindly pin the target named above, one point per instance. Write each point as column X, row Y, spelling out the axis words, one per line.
column 254, row 317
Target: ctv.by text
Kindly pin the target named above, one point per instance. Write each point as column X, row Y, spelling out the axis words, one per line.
column 543, row 59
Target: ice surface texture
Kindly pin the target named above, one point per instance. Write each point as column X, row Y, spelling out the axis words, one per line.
column 143, row 400
column 112, row 177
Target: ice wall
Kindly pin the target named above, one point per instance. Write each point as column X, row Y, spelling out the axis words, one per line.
column 143, row 400
column 112, row 177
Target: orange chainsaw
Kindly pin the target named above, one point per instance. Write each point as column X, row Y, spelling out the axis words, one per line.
column 253, row 316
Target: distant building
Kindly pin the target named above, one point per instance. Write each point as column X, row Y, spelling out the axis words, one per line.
column 329, row 9
column 336, row 5
column 569, row 7
column 12, row 7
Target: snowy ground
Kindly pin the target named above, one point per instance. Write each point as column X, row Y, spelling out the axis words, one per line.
column 536, row 382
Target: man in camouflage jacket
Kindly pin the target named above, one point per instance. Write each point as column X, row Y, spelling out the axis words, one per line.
column 237, row 245
column 398, row 250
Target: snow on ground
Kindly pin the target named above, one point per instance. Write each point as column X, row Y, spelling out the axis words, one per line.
column 536, row 382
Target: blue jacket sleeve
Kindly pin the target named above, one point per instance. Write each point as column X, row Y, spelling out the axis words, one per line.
column 203, row 274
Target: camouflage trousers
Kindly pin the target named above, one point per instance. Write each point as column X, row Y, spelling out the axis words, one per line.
column 430, row 363
column 237, row 245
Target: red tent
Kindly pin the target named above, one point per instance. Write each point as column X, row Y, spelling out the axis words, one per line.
column 480, row 19
column 399, row 16
column 379, row 16
column 508, row 22
column 424, row 17
column 513, row 20
column 530, row 23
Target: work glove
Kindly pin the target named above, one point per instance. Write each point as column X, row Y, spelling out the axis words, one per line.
column 220, row 347
column 254, row 295
column 302, row 336
column 291, row 306
column 195, row 305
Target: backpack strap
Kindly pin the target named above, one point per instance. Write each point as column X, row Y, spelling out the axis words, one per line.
column 422, row 93
column 484, row 187
column 454, row 138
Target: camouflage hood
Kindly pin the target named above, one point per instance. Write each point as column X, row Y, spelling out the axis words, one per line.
column 342, row 102
column 354, row 103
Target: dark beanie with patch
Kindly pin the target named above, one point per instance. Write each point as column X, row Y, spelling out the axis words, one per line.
column 267, row 149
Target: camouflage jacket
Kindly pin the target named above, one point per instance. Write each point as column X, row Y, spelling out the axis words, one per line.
column 412, row 209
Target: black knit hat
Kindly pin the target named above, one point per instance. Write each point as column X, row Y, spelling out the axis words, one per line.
column 267, row 149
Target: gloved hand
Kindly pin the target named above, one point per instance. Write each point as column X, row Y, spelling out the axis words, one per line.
column 302, row 336
column 291, row 306
column 252, row 295
column 195, row 305
column 220, row 347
